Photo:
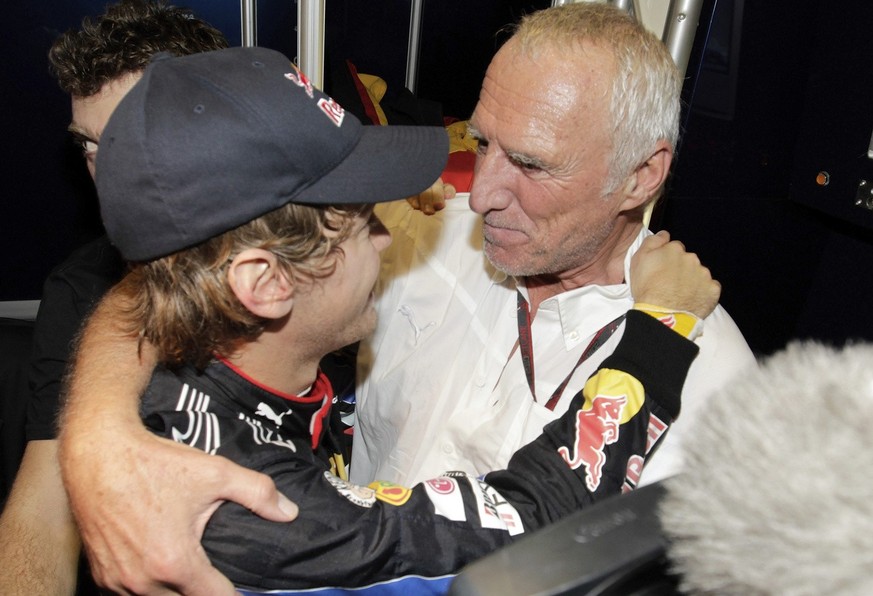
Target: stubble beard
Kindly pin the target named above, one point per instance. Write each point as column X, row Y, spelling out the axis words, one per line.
column 539, row 262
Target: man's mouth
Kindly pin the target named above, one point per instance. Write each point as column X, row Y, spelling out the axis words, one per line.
column 500, row 235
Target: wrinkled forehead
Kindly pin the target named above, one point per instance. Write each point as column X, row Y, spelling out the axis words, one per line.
column 547, row 93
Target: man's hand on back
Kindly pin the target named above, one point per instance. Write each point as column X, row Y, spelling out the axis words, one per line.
column 141, row 502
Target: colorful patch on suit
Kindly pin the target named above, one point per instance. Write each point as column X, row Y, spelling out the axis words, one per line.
column 596, row 427
column 445, row 494
column 390, row 493
column 359, row 495
column 635, row 463
column 495, row 512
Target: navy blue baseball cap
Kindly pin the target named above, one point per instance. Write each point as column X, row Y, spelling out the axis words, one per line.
column 205, row 143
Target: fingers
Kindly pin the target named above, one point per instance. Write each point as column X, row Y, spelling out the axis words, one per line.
column 664, row 274
column 256, row 492
column 433, row 199
column 191, row 575
column 198, row 578
column 142, row 509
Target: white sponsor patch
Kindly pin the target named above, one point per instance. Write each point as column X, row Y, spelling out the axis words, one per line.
column 266, row 436
column 359, row 495
column 494, row 511
column 445, row 494
column 657, row 427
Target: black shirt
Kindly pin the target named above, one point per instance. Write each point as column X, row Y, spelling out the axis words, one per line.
column 70, row 292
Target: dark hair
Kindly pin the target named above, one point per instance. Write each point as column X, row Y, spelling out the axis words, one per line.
column 123, row 40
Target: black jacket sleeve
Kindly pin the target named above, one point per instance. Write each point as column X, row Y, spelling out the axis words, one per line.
column 352, row 536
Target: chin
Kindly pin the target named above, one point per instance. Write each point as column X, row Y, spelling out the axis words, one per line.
column 364, row 326
column 507, row 265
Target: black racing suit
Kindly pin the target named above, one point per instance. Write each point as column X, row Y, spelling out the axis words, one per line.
column 356, row 536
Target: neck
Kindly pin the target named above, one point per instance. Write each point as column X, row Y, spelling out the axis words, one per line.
column 605, row 268
column 276, row 364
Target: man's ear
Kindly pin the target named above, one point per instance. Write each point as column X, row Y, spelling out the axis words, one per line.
column 260, row 284
column 646, row 181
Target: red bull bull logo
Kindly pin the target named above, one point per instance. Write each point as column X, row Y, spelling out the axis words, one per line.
column 301, row 80
column 596, row 427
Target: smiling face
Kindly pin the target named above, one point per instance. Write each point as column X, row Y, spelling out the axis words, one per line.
column 90, row 114
column 544, row 157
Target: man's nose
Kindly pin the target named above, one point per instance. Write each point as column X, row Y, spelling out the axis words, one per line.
column 492, row 181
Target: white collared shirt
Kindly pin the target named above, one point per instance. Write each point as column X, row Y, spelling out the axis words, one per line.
column 442, row 392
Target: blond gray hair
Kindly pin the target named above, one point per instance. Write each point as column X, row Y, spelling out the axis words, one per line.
column 645, row 102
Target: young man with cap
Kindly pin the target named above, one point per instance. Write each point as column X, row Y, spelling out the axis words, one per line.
column 242, row 197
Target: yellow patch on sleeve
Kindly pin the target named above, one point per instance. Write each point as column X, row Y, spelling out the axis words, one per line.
column 615, row 384
column 390, row 493
column 684, row 323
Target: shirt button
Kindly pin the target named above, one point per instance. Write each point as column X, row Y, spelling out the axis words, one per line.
column 573, row 335
column 448, row 449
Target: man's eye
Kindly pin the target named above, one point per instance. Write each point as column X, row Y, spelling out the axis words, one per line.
column 88, row 147
column 527, row 164
column 482, row 146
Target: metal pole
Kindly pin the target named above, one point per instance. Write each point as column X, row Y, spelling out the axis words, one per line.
column 680, row 30
column 414, row 44
column 310, row 40
column 249, row 22
column 625, row 5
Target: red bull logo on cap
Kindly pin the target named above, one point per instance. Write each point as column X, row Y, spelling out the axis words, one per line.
column 596, row 427
column 301, row 80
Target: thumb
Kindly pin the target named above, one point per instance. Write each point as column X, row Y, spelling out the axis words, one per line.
column 655, row 241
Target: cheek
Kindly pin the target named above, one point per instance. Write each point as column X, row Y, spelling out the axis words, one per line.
column 546, row 213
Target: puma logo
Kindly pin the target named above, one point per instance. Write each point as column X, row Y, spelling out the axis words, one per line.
column 268, row 412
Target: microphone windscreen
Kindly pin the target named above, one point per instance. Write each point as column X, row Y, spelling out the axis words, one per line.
column 776, row 494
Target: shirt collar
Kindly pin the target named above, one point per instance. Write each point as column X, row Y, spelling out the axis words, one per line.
column 583, row 311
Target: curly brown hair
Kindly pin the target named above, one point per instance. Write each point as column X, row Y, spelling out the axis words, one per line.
column 183, row 304
column 123, row 40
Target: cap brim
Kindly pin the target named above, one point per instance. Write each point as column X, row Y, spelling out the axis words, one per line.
column 388, row 163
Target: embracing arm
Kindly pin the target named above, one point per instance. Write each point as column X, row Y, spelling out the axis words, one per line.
column 141, row 502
